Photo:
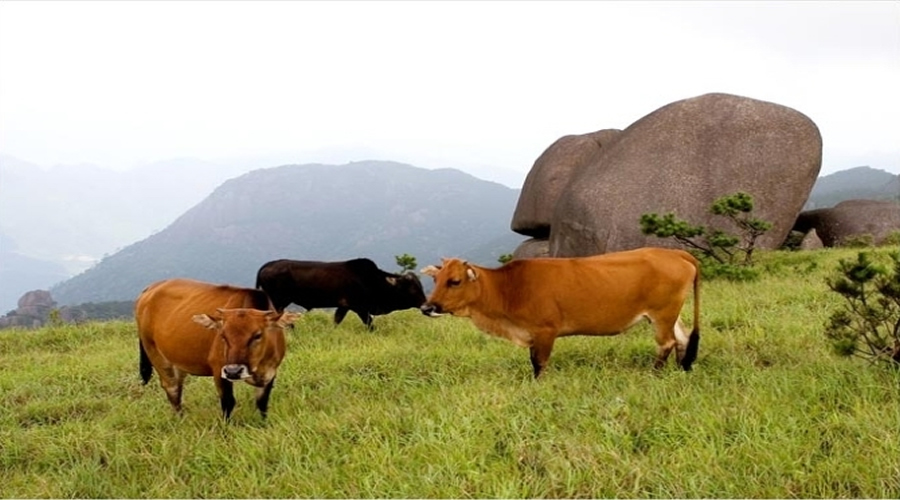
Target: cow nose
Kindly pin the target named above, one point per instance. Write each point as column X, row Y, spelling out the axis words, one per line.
column 233, row 372
column 431, row 310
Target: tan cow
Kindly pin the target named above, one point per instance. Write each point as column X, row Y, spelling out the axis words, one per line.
column 531, row 302
column 189, row 327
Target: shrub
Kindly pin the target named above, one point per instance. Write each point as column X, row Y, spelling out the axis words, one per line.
column 720, row 251
column 858, row 241
column 793, row 241
column 406, row 262
column 869, row 323
column 893, row 238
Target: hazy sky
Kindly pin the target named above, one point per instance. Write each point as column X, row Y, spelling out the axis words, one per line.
column 433, row 83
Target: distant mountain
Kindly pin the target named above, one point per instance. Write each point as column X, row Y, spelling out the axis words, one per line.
column 73, row 215
column 318, row 212
column 855, row 183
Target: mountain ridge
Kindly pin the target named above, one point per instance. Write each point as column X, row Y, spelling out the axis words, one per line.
column 373, row 209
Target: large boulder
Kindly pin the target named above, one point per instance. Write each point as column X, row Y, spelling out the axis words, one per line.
column 531, row 248
column 681, row 158
column 36, row 303
column 550, row 173
column 851, row 219
column 33, row 309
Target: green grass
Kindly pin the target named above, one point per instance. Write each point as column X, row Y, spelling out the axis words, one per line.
column 433, row 408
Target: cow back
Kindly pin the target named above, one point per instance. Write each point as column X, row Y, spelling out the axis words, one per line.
column 315, row 284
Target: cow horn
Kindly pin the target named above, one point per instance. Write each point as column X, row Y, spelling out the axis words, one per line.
column 471, row 274
column 430, row 270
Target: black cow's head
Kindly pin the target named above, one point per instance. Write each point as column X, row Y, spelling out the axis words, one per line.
column 406, row 291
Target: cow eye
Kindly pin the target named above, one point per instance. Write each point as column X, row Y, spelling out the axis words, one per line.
column 256, row 336
column 453, row 282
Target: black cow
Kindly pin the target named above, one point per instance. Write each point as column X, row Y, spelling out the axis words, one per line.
column 355, row 285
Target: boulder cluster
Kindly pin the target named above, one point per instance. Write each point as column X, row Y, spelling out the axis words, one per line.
column 33, row 309
column 586, row 193
column 840, row 224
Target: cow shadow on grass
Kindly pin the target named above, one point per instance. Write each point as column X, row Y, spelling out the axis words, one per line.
column 598, row 353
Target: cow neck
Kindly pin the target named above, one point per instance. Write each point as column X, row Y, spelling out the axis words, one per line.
column 496, row 290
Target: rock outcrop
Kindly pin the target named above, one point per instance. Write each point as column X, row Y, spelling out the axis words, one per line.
column 531, row 248
column 851, row 219
column 550, row 174
column 679, row 159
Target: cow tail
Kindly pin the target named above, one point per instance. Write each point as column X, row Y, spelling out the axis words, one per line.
column 693, row 346
column 146, row 366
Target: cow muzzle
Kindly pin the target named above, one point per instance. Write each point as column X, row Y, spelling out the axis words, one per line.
column 431, row 310
column 235, row 372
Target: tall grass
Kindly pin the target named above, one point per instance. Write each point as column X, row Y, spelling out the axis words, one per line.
column 433, row 408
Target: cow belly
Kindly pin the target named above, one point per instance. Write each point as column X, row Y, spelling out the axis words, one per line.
column 189, row 365
column 515, row 334
column 601, row 326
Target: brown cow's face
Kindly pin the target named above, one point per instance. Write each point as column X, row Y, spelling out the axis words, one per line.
column 244, row 334
column 456, row 285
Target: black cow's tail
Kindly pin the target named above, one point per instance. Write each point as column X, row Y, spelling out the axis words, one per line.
column 693, row 346
column 146, row 366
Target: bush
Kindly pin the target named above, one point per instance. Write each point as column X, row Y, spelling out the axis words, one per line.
column 869, row 323
column 858, row 241
column 893, row 238
column 406, row 262
column 718, row 250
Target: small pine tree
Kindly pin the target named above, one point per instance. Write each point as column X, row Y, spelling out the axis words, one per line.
column 406, row 262
column 721, row 247
column 869, row 323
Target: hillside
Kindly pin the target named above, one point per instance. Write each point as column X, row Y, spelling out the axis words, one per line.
column 318, row 212
column 855, row 183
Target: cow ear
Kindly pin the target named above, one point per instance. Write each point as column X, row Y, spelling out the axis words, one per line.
column 391, row 280
column 471, row 274
column 430, row 271
column 288, row 318
column 206, row 321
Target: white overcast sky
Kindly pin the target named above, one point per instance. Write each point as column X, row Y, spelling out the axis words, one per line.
column 121, row 84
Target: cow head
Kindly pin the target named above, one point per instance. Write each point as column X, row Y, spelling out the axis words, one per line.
column 456, row 285
column 403, row 292
column 243, row 335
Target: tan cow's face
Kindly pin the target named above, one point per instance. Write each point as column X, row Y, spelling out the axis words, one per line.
column 244, row 334
column 455, row 287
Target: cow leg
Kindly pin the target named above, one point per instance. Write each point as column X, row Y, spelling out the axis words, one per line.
column 687, row 346
column 665, row 338
column 339, row 314
column 172, row 381
column 366, row 318
column 170, row 378
column 540, row 353
column 681, row 339
column 226, row 395
column 262, row 397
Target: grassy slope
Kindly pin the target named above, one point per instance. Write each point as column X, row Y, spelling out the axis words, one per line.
column 433, row 408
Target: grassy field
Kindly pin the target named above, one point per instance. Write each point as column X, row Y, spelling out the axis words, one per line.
column 433, row 408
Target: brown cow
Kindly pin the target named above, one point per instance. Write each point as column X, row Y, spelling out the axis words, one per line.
column 531, row 302
column 189, row 327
